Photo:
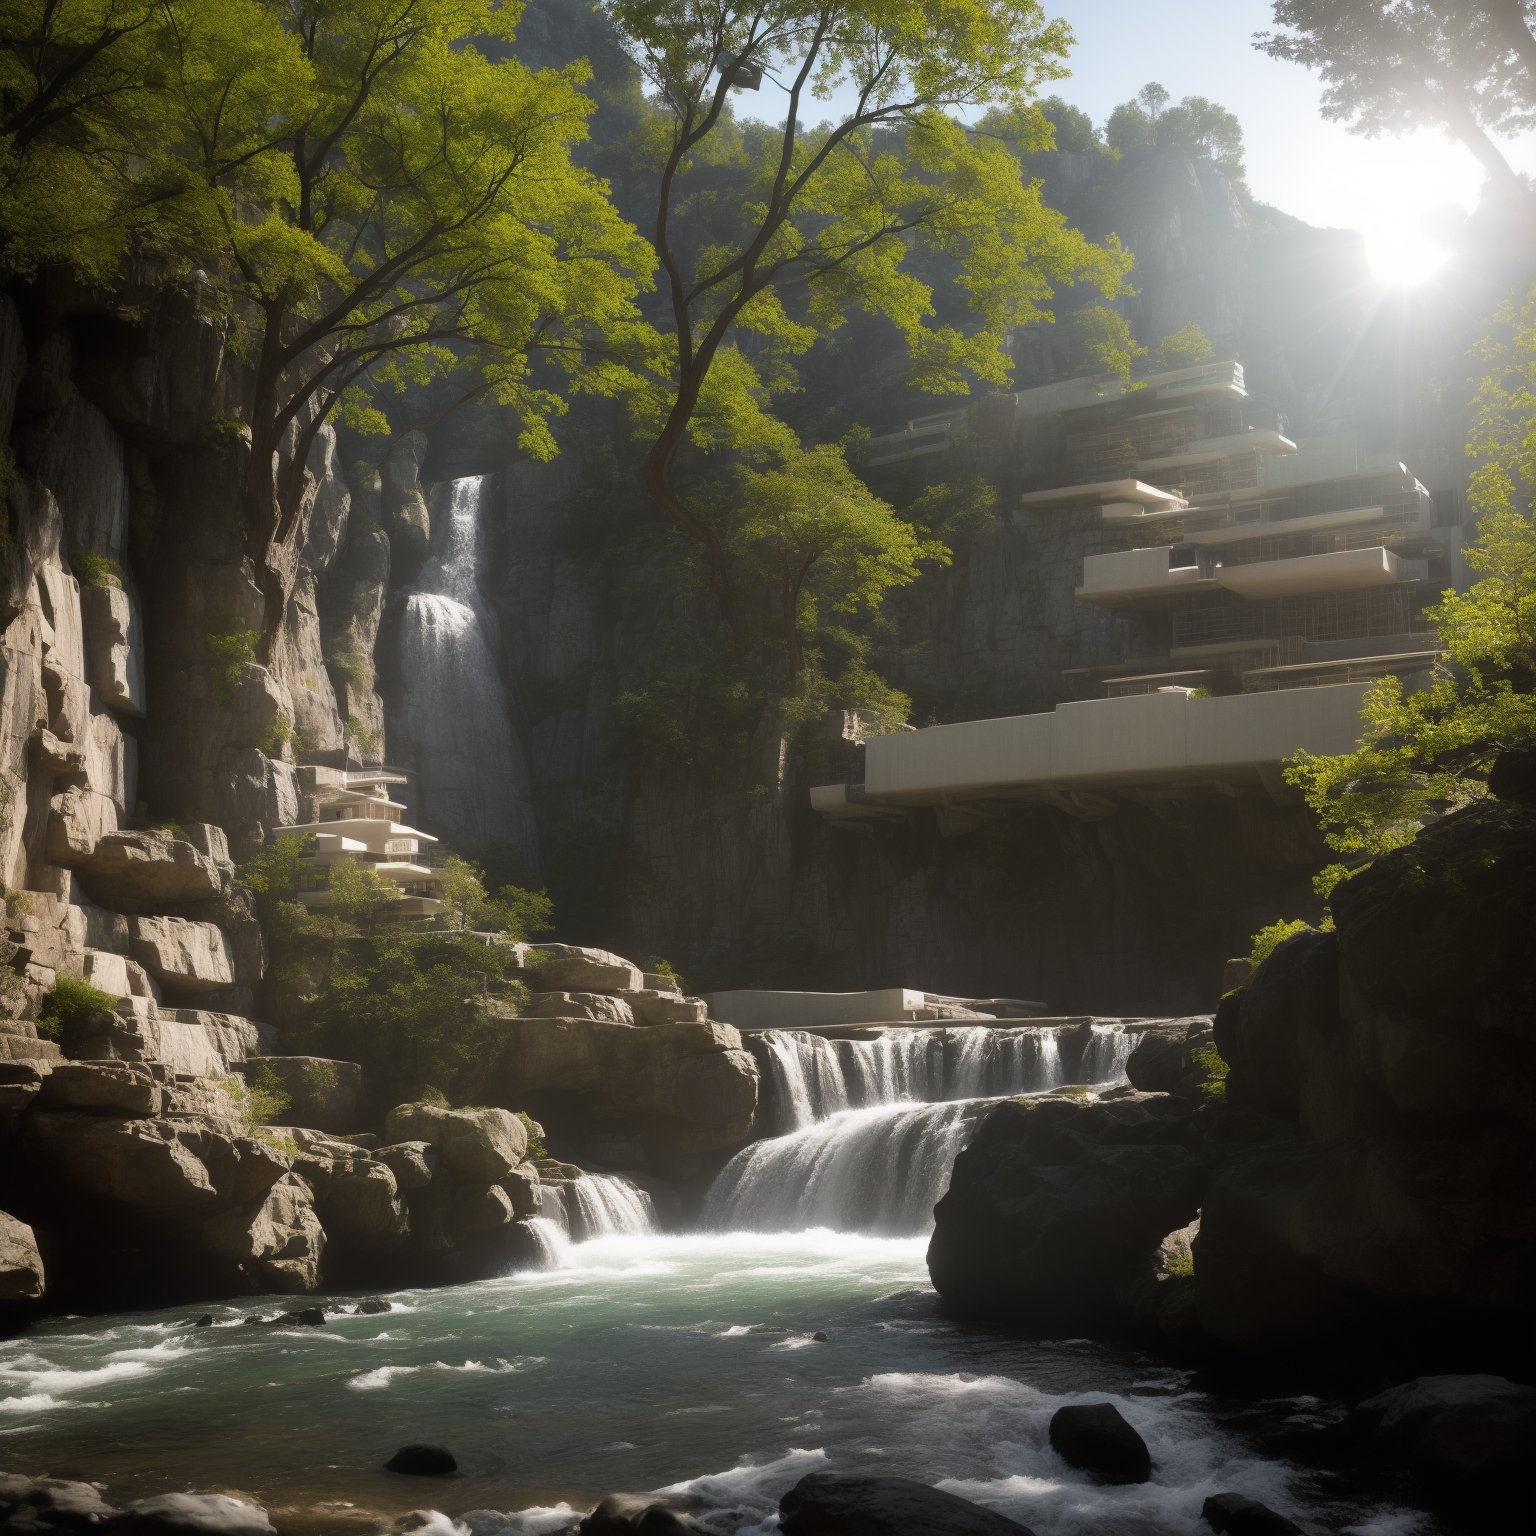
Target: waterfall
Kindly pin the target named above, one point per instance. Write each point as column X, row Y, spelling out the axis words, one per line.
column 876, row 1170
column 454, row 723
column 595, row 1205
column 807, row 1077
column 1108, row 1049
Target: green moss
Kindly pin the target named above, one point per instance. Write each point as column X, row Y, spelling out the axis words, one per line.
column 1211, row 1062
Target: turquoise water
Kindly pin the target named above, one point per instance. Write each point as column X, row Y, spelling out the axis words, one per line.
column 646, row 1362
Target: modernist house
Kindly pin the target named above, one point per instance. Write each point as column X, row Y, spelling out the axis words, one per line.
column 1266, row 584
column 356, row 819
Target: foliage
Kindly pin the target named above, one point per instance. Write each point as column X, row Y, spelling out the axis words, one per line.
column 1103, row 339
column 1269, row 938
column 1428, row 751
column 318, row 1078
column 234, row 649
column 951, row 509
column 71, row 1001
column 1195, row 124
column 273, row 871
column 258, row 1094
column 1184, row 348
column 96, row 570
column 357, row 894
column 536, row 1147
column 770, row 237
column 1393, row 68
column 822, row 543
column 410, row 1008
column 375, row 202
column 659, row 966
column 513, row 911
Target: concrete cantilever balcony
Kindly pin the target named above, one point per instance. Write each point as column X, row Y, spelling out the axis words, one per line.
column 1339, row 570
column 1130, row 576
column 1164, row 738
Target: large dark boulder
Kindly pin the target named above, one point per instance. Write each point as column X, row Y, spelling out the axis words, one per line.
column 637, row 1514
column 1057, row 1206
column 1466, row 1428
column 1095, row 1438
column 1234, row 1514
column 849, row 1504
column 422, row 1460
column 1173, row 1060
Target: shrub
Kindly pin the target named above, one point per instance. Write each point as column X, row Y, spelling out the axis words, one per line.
column 259, row 1095
column 1269, row 938
column 536, row 1147
column 96, row 570
column 319, row 1079
column 1211, row 1062
column 657, row 966
column 71, row 1001
column 234, row 649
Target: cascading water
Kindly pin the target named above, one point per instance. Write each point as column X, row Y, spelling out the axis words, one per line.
column 1106, row 1053
column 454, row 724
column 595, row 1205
column 855, row 1152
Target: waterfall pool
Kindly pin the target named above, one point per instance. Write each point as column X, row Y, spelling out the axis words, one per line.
column 643, row 1362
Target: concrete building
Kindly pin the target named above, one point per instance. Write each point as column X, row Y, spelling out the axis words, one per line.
column 356, row 820
column 1266, row 584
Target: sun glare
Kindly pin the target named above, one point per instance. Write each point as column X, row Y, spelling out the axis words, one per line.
column 1402, row 257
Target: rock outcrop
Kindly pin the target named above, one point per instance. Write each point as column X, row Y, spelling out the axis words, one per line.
column 856, row 1504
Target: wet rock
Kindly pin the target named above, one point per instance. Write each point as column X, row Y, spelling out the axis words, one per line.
column 1458, row 1428
column 21, row 1265
column 193, row 1514
column 1233, row 1514
column 637, row 1514
column 205, row 1321
column 370, row 1305
column 818, row 1337
column 302, row 1317
column 423, row 1460
column 1056, row 1207
column 477, row 1146
column 848, row 1504
column 1165, row 1060
column 1095, row 1438
column 39, row 1504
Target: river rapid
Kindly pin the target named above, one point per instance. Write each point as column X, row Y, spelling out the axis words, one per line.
column 646, row 1361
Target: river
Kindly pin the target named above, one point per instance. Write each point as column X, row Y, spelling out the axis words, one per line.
column 643, row 1360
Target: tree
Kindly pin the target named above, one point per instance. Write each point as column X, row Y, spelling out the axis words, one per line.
column 357, row 895
column 378, row 202
column 518, row 913
column 463, row 891
column 1184, row 347
column 1392, row 66
column 1431, row 750
column 769, row 236
column 822, row 542
column 1196, row 125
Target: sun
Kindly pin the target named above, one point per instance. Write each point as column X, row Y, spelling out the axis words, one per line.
column 1400, row 257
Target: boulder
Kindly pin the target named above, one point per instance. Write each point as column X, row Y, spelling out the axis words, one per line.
column 21, row 1265
column 149, row 1165
column 423, row 1461
column 1470, row 1428
column 1237, row 1515
column 637, row 1514
column 474, row 1211
column 522, row 1187
column 357, row 1197
column 135, row 870
column 1095, row 1438
column 652, row 1006
column 39, row 1504
column 117, row 974
column 854, row 1504
column 109, row 1088
column 274, row 1244
column 1057, row 1205
column 186, row 956
column 477, row 1146
column 578, row 1005
column 1168, row 1060
column 193, row 1514
column 569, row 968
column 412, row 1163
column 77, row 819
column 20, row 1083
column 322, row 1093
